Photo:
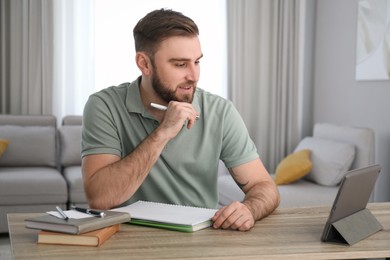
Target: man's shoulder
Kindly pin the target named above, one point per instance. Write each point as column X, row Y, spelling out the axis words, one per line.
column 210, row 98
column 111, row 96
column 113, row 90
column 213, row 104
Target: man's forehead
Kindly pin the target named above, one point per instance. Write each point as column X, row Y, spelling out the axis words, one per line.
column 180, row 48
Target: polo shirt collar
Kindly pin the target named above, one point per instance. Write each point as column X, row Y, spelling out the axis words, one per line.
column 135, row 105
column 133, row 98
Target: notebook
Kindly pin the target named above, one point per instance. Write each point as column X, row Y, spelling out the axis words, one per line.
column 169, row 216
column 352, row 197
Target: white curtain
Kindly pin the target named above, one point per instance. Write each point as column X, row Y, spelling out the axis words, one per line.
column 26, row 56
column 74, row 71
column 263, row 70
column 46, row 62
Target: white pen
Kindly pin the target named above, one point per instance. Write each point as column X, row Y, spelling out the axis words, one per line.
column 161, row 107
column 158, row 106
column 62, row 213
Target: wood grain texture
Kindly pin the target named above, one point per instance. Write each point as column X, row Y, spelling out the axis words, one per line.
column 289, row 233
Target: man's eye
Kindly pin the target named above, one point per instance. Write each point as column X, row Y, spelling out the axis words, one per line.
column 180, row 64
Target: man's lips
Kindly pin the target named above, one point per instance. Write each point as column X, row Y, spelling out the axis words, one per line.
column 186, row 88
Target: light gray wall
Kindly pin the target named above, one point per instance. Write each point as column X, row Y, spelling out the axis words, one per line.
column 337, row 96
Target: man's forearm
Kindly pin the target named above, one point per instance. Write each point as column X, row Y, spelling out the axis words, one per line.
column 261, row 193
column 115, row 183
column 262, row 199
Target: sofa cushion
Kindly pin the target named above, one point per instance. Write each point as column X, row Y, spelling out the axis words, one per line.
column 301, row 193
column 228, row 190
column 70, row 139
column 72, row 120
column 32, row 185
column 29, row 145
column 331, row 159
column 3, row 145
column 304, row 193
column 293, row 167
column 74, row 179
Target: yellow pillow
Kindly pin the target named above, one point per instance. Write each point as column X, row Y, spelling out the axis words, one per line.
column 293, row 167
column 3, row 145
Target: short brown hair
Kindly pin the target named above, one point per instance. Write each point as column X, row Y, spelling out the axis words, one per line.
column 159, row 25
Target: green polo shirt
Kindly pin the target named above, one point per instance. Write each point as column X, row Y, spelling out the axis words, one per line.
column 115, row 122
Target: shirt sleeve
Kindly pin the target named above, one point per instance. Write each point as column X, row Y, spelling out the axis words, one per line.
column 237, row 146
column 99, row 135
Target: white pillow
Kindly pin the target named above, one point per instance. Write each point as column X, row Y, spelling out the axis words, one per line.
column 331, row 159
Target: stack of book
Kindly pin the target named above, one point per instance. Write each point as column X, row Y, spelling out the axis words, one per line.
column 95, row 230
column 87, row 231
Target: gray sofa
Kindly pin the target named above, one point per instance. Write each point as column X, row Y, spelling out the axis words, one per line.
column 41, row 168
column 30, row 177
column 331, row 147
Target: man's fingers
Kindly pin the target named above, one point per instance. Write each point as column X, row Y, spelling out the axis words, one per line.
column 234, row 216
column 182, row 112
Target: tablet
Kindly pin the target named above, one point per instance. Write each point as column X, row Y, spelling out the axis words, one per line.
column 353, row 195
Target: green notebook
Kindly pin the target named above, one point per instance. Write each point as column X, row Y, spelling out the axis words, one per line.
column 175, row 227
column 169, row 216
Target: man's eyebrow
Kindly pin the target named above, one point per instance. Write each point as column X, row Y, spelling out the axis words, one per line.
column 183, row 59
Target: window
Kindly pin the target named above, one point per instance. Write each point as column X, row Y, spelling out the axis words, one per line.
column 95, row 49
column 114, row 46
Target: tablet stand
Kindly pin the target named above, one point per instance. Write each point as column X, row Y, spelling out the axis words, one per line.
column 353, row 228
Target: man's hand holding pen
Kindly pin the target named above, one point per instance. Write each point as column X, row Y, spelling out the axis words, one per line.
column 177, row 114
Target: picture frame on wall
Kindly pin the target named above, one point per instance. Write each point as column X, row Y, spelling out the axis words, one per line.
column 373, row 40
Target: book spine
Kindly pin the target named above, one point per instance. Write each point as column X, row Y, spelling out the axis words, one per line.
column 107, row 233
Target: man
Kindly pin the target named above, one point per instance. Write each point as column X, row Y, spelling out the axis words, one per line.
column 134, row 151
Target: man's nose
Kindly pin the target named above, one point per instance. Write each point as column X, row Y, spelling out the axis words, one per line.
column 193, row 73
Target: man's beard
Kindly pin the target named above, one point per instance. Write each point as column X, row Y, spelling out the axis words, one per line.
column 170, row 95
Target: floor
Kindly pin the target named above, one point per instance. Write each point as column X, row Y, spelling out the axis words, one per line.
column 5, row 250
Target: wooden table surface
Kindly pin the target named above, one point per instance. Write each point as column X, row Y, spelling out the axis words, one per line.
column 289, row 233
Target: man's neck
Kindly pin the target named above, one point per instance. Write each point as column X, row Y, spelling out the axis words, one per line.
column 148, row 95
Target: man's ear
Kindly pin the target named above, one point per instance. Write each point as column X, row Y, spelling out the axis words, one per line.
column 143, row 62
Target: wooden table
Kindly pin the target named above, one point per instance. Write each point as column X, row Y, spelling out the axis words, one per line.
column 291, row 233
